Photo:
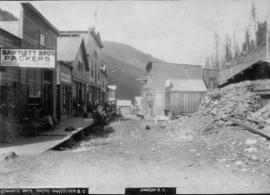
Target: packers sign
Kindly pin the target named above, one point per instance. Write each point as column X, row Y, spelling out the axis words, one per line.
column 31, row 58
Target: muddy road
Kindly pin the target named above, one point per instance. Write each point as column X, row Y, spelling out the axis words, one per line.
column 127, row 154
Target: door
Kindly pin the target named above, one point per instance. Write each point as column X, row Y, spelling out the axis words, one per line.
column 47, row 99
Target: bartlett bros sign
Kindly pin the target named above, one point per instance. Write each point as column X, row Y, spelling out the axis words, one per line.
column 30, row 58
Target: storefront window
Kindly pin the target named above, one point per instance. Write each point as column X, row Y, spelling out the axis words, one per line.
column 34, row 83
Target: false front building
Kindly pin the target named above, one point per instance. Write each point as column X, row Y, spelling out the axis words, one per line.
column 94, row 46
column 72, row 76
column 28, row 75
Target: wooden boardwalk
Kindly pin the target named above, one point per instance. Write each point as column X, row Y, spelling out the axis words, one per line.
column 46, row 140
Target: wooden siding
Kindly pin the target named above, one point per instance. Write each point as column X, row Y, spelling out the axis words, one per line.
column 92, row 46
column 77, row 74
column 7, row 40
column 184, row 102
column 23, row 77
column 158, row 75
column 9, row 76
column 33, row 25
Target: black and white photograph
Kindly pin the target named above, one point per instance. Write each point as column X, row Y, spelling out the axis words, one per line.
column 135, row 97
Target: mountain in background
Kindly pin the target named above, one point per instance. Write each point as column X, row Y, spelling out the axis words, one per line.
column 7, row 16
column 125, row 64
column 124, row 76
column 128, row 54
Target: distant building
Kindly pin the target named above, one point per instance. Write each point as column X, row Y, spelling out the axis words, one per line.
column 124, row 107
column 184, row 95
column 94, row 46
column 112, row 92
column 154, row 89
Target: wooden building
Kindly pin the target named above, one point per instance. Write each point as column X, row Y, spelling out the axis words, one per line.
column 94, row 47
column 34, row 32
column 252, row 67
column 71, row 50
column 9, row 77
column 154, row 89
column 184, row 95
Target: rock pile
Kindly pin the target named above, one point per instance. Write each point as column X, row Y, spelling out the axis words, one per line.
column 262, row 115
column 236, row 101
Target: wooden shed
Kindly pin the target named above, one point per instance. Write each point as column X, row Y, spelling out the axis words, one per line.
column 184, row 95
column 154, row 89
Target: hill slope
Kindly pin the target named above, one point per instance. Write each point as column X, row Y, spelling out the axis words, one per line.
column 7, row 16
column 128, row 54
column 124, row 76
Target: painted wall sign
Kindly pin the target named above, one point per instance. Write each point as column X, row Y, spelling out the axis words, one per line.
column 31, row 58
column 65, row 78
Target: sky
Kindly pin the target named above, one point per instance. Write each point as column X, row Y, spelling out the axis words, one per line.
column 175, row 31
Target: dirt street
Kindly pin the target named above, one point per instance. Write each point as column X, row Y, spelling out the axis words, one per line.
column 127, row 154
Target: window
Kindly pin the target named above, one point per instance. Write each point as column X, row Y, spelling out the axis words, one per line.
column 80, row 65
column 42, row 39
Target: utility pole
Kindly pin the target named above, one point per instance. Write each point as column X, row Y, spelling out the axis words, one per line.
column 267, row 32
column 253, row 24
column 235, row 45
column 217, row 53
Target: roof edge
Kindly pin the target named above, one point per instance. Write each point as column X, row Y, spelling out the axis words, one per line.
column 161, row 62
column 97, row 38
column 11, row 34
column 29, row 5
column 67, row 63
